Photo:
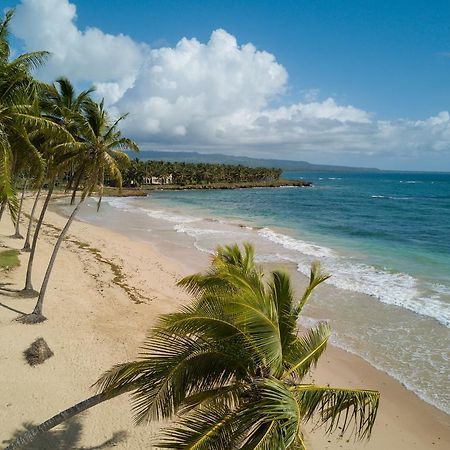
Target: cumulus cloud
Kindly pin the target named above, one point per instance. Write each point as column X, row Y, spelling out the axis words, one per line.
column 89, row 55
column 217, row 95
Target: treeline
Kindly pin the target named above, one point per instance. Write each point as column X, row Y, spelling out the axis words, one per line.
column 196, row 173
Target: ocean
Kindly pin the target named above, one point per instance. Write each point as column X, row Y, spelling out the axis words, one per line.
column 384, row 237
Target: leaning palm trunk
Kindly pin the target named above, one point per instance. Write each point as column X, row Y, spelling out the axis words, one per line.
column 2, row 209
column 17, row 234
column 75, row 187
column 28, row 289
column 36, row 316
column 26, row 245
column 38, row 430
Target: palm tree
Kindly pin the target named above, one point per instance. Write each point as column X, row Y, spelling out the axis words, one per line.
column 64, row 106
column 17, row 234
column 100, row 150
column 228, row 368
column 59, row 104
column 27, row 243
column 17, row 91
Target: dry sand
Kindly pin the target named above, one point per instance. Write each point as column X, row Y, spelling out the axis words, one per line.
column 105, row 292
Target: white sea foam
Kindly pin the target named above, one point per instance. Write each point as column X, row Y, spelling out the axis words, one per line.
column 392, row 197
column 392, row 288
column 169, row 216
column 118, row 202
column 440, row 288
column 295, row 244
column 401, row 198
column 397, row 289
column 198, row 232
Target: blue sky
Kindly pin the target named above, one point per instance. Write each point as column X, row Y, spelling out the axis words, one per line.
column 386, row 57
column 353, row 81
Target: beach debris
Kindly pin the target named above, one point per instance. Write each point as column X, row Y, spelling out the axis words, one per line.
column 37, row 352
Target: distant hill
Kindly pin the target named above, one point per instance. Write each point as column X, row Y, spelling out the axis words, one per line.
column 216, row 158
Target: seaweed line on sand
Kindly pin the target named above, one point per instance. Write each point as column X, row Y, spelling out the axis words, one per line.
column 119, row 277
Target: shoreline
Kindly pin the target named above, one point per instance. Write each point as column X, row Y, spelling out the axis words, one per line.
column 115, row 326
column 144, row 190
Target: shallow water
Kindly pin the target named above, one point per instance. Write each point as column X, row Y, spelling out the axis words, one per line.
column 384, row 238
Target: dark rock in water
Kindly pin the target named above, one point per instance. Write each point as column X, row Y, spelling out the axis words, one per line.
column 37, row 352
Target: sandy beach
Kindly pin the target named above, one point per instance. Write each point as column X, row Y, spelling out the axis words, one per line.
column 105, row 292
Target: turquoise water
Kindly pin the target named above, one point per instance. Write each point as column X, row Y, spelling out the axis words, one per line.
column 384, row 238
column 394, row 229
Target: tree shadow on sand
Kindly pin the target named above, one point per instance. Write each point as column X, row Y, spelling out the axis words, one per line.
column 66, row 437
column 11, row 309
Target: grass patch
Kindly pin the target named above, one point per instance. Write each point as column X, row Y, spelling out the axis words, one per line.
column 9, row 259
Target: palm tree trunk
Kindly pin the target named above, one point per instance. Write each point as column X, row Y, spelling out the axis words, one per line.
column 17, row 234
column 76, row 186
column 28, row 289
column 2, row 209
column 26, row 245
column 36, row 315
column 31, row 435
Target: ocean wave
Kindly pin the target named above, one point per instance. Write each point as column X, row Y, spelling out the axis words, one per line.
column 412, row 381
column 169, row 216
column 118, row 202
column 392, row 197
column 295, row 244
column 440, row 288
column 398, row 289
column 197, row 232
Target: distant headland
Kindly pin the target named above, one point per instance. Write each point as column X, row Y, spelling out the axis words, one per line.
column 217, row 158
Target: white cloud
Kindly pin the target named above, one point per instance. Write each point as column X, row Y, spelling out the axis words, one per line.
column 88, row 55
column 217, row 95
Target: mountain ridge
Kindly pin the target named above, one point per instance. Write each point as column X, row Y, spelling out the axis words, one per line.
column 218, row 158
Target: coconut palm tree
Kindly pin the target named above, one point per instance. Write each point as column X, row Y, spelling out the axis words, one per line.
column 228, row 368
column 64, row 106
column 59, row 104
column 100, row 150
column 17, row 91
column 17, row 234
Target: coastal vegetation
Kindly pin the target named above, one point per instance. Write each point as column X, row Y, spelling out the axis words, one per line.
column 190, row 174
column 229, row 368
column 9, row 259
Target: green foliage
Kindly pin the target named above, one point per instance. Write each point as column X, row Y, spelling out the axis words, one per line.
column 50, row 130
column 228, row 368
column 184, row 174
column 9, row 259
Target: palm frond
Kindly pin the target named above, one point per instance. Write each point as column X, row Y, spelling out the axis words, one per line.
column 210, row 428
column 281, row 292
column 305, row 351
column 7, row 191
column 31, row 61
column 316, row 277
column 339, row 408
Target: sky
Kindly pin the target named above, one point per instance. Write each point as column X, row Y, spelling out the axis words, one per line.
column 352, row 82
